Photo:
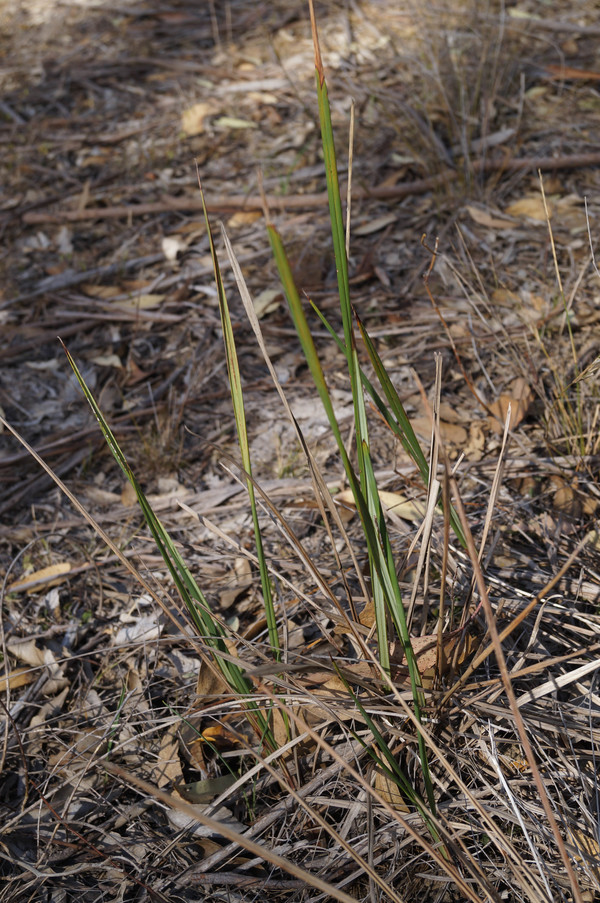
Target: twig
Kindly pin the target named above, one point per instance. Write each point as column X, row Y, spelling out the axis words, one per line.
column 67, row 280
column 227, row 204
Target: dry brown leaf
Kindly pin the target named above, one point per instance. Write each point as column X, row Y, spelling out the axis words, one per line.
column 520, row 397
column 476, row 443
column 141, row 630
column 425, row 649
column 27, row 651
column 84, row 745
column 211, row 685
column 451, row 433
column 388, row 789
column 185, row 822
column 569, row 500
column 398, row 504
column 267, row 301
column 487, row 218
column 105, row 292
column 235, row 122
column 145, row 301
column 168, row 767
column 107, row 360
column 128, row 495
column 451, row 414
column 367, row 615
column 48, row 710
column 589, row 847
column 503, row 297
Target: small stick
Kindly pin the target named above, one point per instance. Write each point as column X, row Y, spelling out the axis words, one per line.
column 229, row 204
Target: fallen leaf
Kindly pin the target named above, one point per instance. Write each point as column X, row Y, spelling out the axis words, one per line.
column 107, row 360
column 375, row 225
column 244, row 218
column 520, row 397
column 486, row 218
column 232, row 122
column 171, row 246
column 588, row 848
column 193, row 119
column 167, row 769
column 267, row 301
column 503, row 297
column 433, row 657
column 128, row 495
column 140, row 302
column 49, row 576
column 398, row 504
column 27, row 650
column 451, row 433
column 185, row 822
column 388, row 789
column 19, row 677
column 395, row 502
column 476, row 442
column 106, row 292
column 530, row 207
column 144, row 630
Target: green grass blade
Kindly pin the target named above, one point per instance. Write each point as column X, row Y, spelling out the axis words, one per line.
column 395, row 416
column 237, row 397
column 206, row 624
column 379, row 548
column 392, row 769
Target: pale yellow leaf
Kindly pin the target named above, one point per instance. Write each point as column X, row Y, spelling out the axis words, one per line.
column 530, row 207
column 19, row 677
column 193, row 119
column 108, row 360
column 243, row 218
column 171, row 246
column 267, row 301
column 232, row 122
column 48, row 576
column 398, row 504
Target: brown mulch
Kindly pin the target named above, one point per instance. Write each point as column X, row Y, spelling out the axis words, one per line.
column 104, row 245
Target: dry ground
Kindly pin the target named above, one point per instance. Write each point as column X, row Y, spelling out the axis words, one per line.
column 104, row 109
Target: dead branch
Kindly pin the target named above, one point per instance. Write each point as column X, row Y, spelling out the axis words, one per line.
column 224, row 204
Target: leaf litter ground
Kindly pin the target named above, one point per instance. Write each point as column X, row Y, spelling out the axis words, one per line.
column 104, row 110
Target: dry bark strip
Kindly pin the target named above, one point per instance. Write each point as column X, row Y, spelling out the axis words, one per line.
column 224, row 204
